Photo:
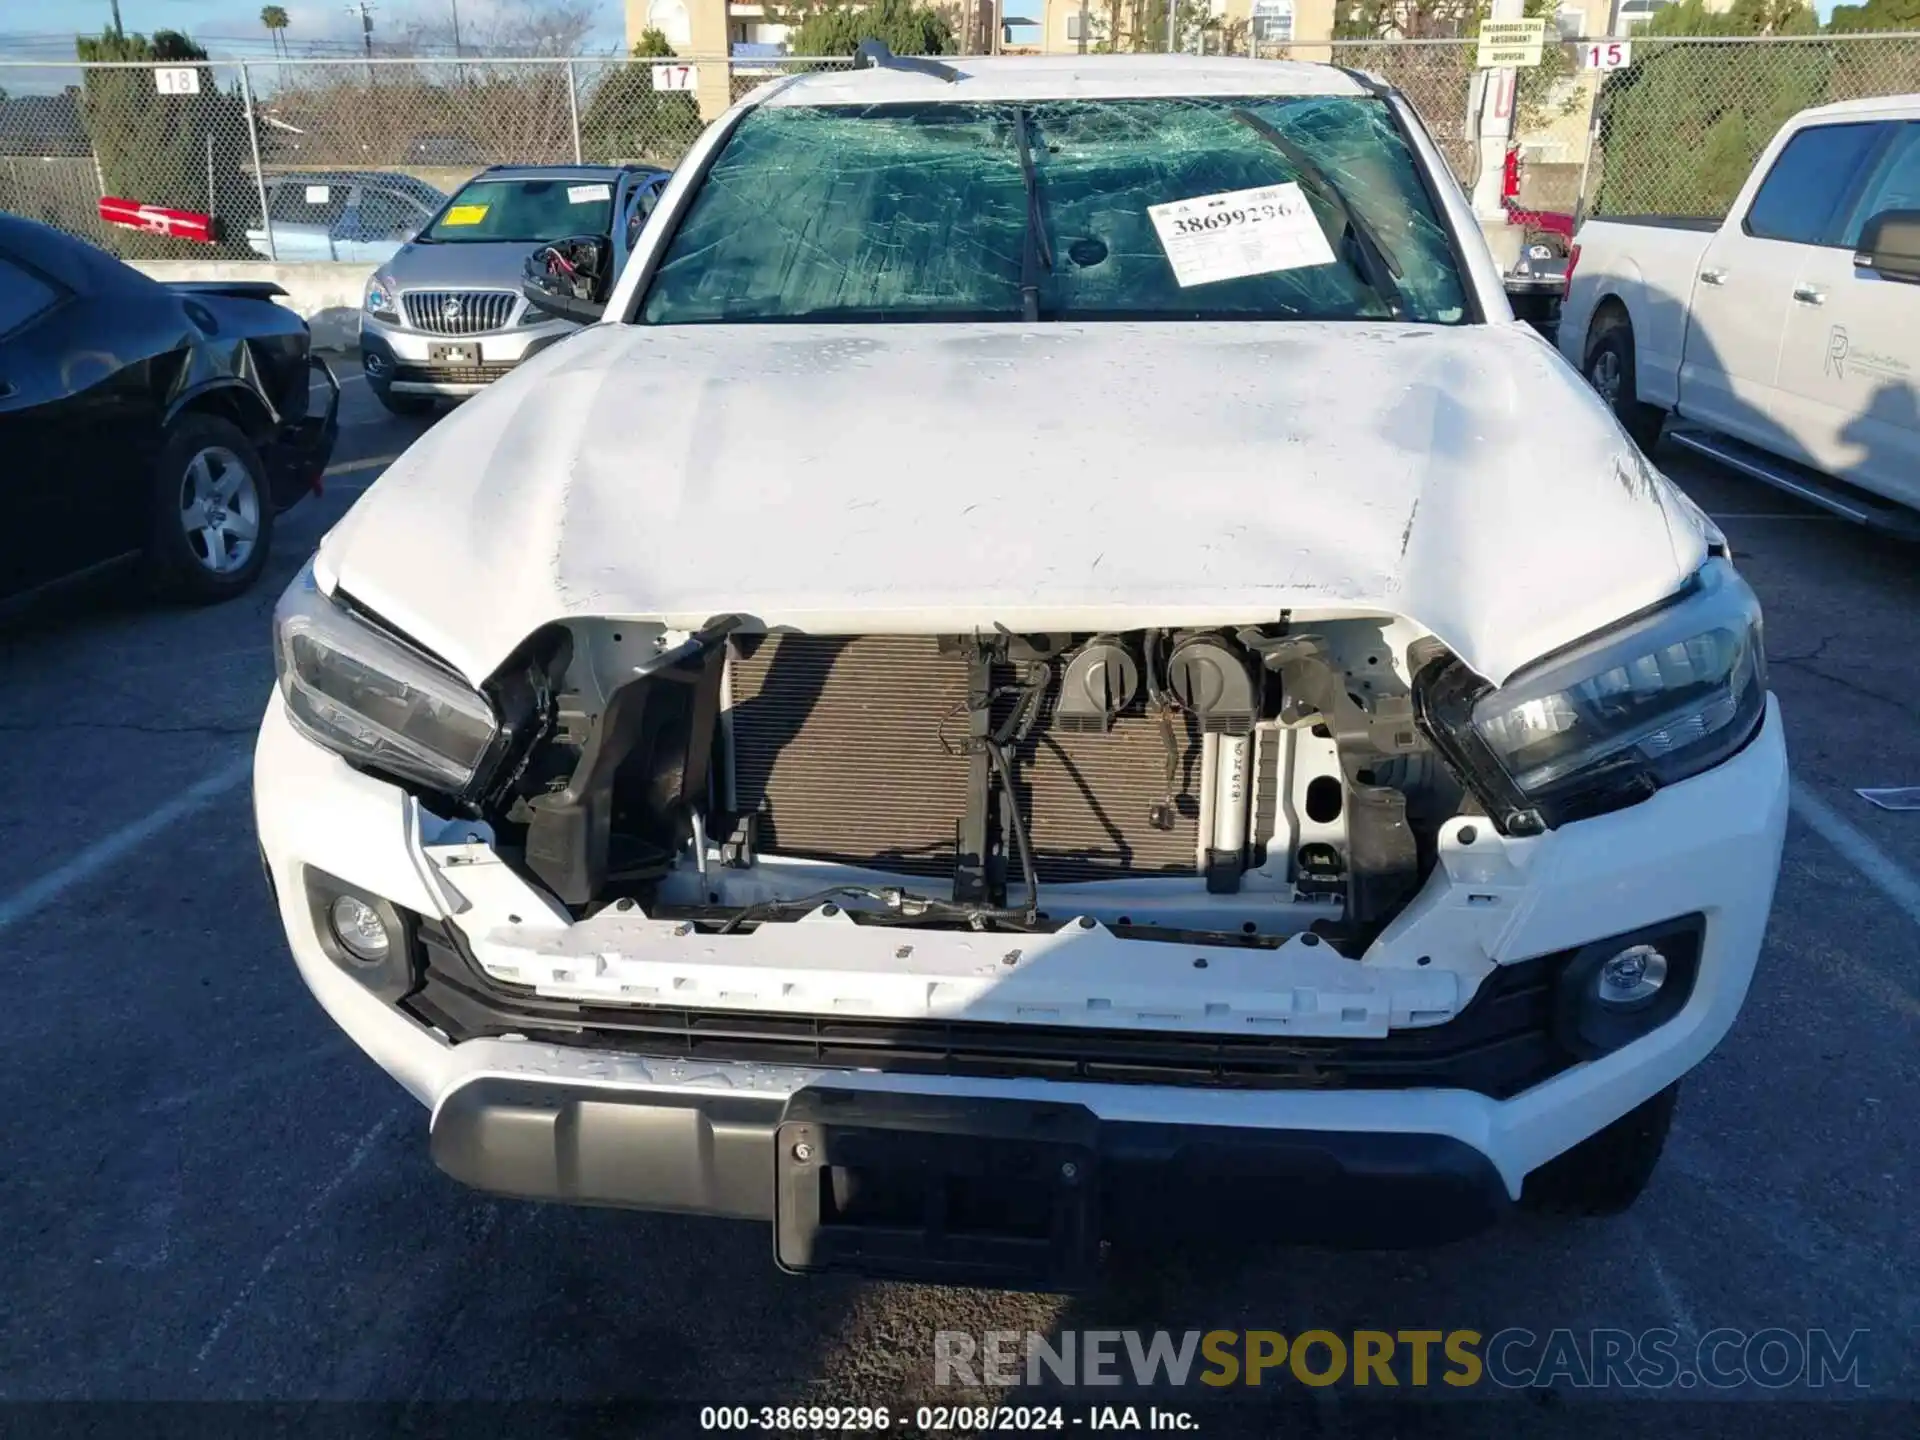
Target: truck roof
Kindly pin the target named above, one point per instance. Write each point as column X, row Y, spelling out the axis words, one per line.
column 1067, row 77
column 1873, row 105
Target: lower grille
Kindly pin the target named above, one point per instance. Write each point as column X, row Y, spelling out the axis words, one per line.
column 1498, row 1046
column 838, row 747
column 452, row 374
column 457, row 312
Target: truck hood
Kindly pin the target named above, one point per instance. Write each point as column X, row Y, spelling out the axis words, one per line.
column 947, row 478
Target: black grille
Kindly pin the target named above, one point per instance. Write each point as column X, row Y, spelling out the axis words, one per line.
column 1499, row 1045
column 457, row 312
column 838, row 744
column 452, row 374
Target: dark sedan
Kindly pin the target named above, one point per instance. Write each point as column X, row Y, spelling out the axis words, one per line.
column 146, row 424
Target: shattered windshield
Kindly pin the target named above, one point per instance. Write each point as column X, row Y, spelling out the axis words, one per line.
column 1262, row 208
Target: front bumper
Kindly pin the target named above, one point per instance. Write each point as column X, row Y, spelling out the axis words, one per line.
column 297, row 455
column 710, row 1154
column 614, row 1126
column 400, row 360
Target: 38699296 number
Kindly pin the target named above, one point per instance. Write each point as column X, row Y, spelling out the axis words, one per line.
column 1221, row 219
column 801, row 1419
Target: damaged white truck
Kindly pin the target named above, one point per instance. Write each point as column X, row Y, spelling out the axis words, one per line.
column 1056, row 658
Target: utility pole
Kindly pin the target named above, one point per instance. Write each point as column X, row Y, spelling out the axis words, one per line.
column 365, row 12
column 118, row 30
column 1083, row 27
column 455, row 5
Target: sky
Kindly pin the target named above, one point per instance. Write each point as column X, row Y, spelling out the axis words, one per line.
column 31, row 28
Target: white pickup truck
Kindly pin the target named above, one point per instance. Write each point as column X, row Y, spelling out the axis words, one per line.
column 1785, row 335
column 1020, row 685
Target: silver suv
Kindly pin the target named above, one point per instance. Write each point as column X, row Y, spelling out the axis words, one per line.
column 444, row 317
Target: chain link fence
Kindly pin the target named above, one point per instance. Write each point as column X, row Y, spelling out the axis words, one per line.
column 329, row 159
column 74, row 133
column 1678, row 131
column 332, row 159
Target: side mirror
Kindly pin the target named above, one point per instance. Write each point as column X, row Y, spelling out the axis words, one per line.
column 570, row 278
column 1890, row 245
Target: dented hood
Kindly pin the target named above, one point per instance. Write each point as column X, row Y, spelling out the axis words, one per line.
column 1056, row 477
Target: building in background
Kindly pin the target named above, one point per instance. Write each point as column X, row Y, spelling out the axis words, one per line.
column 1552, row 140
column 706, row 29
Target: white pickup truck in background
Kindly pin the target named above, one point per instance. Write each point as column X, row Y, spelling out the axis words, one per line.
column 1786, row 336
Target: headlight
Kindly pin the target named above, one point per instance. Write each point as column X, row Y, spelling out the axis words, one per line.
column 383, row 297
column 374, row 699
column 1608, row 721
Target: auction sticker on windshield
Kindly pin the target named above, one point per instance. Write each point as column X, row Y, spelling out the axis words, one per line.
column 465, row 215
column 1238, row 233
column 587, row 194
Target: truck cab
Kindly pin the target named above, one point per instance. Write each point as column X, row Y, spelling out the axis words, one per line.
column 1782, row 333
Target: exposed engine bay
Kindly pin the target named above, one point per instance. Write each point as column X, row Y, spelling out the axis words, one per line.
column 1252, row 783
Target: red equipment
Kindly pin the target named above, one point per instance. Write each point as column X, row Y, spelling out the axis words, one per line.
column 158, row 220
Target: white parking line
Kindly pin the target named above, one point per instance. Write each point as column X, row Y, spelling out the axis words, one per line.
column 347, row 467
column 36, row 895
column 309, row 1218
column 1868, row 858
column 1678, row 1311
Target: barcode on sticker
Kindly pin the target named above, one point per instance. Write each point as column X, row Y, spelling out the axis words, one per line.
column 587, row 194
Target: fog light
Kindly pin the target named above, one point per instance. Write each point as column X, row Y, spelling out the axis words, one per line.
column 359, row 929
column 1615, row 990
column 1632, row 977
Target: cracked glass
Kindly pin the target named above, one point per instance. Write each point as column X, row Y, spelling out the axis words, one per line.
column 918, row 212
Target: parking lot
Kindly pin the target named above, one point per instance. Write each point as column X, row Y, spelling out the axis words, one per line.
column 210, row 1194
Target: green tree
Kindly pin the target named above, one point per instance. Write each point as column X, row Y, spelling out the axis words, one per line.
column 835, row 27
column 274, row 17
column 652, row 44
column 627, row 119
column 1875, row 15
column 187, row 152
column 1406, row 19
column 1141, row 26
column 1681, row 128
column 1775, row 17
column 1691, row 18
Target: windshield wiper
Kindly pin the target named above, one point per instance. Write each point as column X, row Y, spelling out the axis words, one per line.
column 1034, row 249
column 1381, row 269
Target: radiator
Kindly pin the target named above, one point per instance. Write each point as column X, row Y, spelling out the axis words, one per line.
column 837, row 748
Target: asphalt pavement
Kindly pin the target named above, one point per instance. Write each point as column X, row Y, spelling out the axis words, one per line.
column 208, row 1193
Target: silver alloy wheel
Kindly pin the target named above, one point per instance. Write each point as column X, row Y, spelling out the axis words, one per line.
column 1603, row 373
column 219, row 510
